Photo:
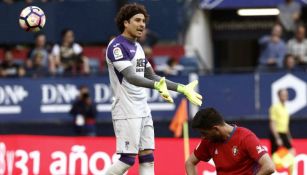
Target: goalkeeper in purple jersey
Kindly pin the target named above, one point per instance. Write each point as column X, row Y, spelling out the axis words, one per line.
column 130, row 73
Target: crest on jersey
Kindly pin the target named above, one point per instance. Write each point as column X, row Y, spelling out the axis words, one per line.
column 235, row 150
column 259, row 149
column 118, row 54
column 210, row 4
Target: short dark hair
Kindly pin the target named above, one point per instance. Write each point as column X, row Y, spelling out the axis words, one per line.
column 207, row 118
column 38, row 35
column 300, row 25
column 65, row 31
column 127, row 11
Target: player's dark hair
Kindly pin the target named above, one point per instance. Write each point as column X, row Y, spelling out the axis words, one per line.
column 65, row 31
column 126, row 12
column 286, row 58
column 38, row 35
column 207, row 118
column 299, row 26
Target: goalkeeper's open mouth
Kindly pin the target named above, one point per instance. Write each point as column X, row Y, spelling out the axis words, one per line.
column 139, row 32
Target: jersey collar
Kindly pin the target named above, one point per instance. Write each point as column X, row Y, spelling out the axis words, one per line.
column 128, row 40
column 231, row 134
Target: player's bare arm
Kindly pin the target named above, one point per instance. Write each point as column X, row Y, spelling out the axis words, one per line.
column 190, row 165
column 266, row 165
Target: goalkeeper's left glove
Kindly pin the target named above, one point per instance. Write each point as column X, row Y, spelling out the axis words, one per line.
column 162, row 88
column 191, row 95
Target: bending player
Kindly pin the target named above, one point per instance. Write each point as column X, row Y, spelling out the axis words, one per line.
column 234, row 150
column 130, row 73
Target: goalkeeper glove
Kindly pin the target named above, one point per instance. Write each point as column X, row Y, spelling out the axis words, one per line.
column 161, row 87
column 188, row 91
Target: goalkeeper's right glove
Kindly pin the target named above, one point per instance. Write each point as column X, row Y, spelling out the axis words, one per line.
column 162, row 88
column 188, row 91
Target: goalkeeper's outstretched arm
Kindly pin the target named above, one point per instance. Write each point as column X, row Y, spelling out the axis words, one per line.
column 160, row 85
column 187, row 90
column 131, row 76
column 150, row 74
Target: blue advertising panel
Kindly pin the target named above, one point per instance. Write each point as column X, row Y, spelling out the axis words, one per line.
column 48, row 99
column 236, row 96
column 232, row 95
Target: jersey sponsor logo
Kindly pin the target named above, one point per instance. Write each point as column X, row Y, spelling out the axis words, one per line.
column 140, row 62
column 127, row 145
column 140, row 65
column 259, row 149
column 235, row 150
column 118, row 54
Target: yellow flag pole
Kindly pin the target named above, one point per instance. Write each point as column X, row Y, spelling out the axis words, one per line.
column 186, row 143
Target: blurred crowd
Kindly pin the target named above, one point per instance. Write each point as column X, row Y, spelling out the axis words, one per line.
column 286, row 47
column 65, row 58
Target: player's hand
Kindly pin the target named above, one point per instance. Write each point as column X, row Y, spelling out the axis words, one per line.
column 188, row 91
column 162, row 88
